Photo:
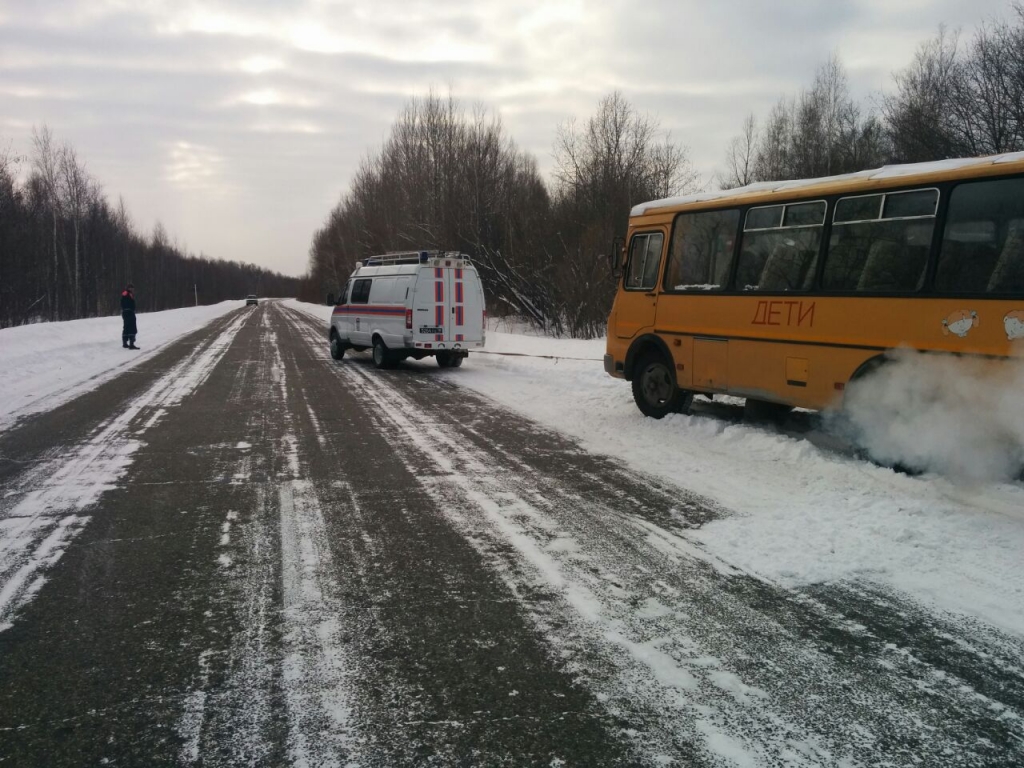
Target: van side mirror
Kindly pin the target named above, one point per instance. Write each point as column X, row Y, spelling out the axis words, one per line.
column 330, row 299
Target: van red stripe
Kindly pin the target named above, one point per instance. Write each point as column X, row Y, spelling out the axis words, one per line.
column 439, row 316
column 363, row 309
column 439, row 291
column 458, row 292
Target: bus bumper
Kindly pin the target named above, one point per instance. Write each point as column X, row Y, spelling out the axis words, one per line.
column 612, row 368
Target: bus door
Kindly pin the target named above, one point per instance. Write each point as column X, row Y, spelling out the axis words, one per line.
column 636, row 304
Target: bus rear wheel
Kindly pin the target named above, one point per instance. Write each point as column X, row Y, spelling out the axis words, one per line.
column 654, row 389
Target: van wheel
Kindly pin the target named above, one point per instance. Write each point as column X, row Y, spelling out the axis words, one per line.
column 655, row 391
column 381, row 355
column 337, row 348
column 448, row 360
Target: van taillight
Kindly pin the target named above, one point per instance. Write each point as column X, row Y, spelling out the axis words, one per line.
column 408, row 318
column 485, row 318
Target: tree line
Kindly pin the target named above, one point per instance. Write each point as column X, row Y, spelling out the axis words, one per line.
column 66, row 252
column 956, row 99
column 450, row 178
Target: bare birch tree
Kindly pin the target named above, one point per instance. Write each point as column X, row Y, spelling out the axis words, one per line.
column 46, row 163
column 74, row 186
column 740, row 156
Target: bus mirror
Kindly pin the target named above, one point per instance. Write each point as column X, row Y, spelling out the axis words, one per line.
column 617, row 258
column 330, row 299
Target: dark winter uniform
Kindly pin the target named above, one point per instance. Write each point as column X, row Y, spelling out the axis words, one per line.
column 128, row 315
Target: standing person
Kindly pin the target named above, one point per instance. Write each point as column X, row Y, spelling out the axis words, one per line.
column 128, row 315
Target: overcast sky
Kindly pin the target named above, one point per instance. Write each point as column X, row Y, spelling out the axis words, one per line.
column 239, row 123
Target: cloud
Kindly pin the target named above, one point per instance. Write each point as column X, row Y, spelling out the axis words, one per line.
column 238, row 123
column 195, row 168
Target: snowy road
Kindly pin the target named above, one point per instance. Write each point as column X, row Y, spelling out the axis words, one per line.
column 246, row 553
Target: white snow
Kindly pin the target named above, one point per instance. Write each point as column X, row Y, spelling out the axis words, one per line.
column 46, row 364
column 800, row 514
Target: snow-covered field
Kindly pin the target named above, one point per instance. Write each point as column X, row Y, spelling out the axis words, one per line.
column 46, row 364
column 801, row 514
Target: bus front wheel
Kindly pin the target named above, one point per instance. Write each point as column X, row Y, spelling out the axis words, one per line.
column 655, row 391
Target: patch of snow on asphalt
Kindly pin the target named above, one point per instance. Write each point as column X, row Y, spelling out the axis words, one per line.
column 316, row 663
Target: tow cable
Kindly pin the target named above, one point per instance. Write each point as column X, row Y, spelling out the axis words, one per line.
column 539, row 357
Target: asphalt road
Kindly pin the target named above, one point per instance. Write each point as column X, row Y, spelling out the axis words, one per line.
column 245, row 553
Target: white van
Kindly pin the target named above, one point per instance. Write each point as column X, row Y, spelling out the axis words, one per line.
column 411, row 304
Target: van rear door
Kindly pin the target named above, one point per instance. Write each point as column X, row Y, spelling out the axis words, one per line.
column 467, row 306
column 458, row 304
column 442, row 319
column 448, row 307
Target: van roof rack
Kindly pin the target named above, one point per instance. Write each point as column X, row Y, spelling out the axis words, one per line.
column 412, row 257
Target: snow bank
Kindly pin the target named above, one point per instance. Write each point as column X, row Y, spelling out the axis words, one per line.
column 46, row 364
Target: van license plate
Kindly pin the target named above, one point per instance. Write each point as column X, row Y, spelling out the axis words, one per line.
column 427, row 329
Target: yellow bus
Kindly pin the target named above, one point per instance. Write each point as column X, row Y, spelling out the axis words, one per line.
column 785, row 292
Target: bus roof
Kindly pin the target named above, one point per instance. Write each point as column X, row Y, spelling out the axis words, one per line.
column 923, row 172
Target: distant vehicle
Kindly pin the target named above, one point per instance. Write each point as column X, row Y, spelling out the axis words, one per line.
column 410, row 304
column 786, row 292
column 251, row 299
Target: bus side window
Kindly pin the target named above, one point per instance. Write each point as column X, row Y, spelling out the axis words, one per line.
column 1008, row 275
column 780, row 247
column 700, row 256
column 898, row 262
column 983, row 244
column 880, row 243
